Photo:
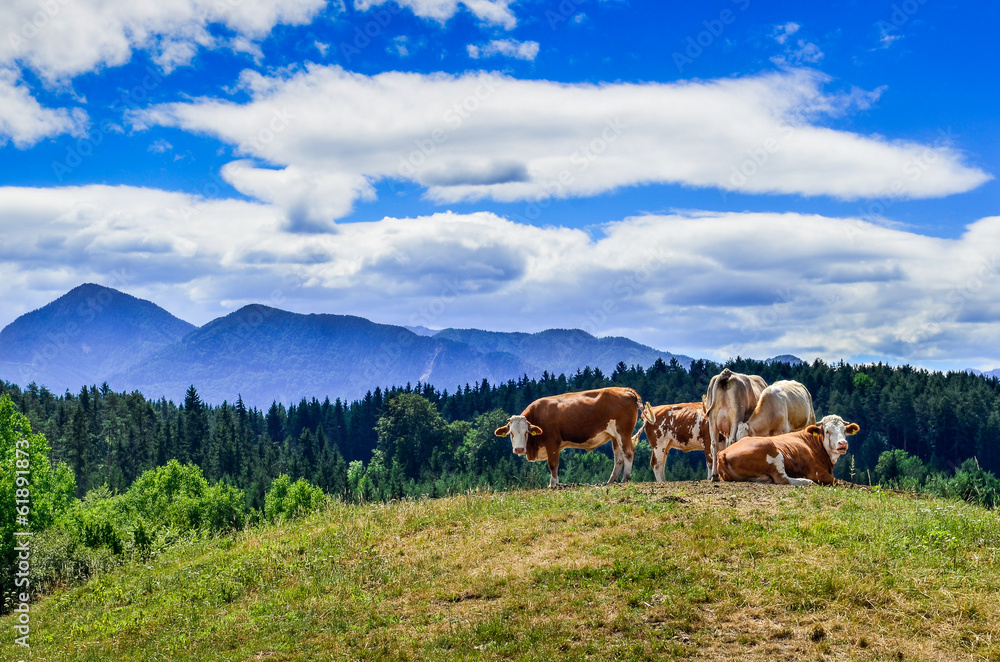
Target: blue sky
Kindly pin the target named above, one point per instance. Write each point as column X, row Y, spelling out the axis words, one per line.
column 736, row 177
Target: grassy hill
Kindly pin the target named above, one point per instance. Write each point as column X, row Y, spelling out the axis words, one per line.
column 636, row 572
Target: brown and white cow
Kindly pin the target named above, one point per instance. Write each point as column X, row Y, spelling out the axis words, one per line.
column 683, row 426
column 797, row 458
column 784, row 406
column 730, row 400
column 586, row 419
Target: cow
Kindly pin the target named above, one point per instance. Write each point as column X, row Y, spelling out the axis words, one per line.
column 730, row 400
column 796, row 458
column 586, row 419
column 784, row 406
column 683, row 426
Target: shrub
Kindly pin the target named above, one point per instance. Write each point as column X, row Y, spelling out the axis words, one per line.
column 970, row 483
column 287, row 500
column 49, row 490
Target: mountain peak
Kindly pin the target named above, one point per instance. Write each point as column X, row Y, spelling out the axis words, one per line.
column 84, row 336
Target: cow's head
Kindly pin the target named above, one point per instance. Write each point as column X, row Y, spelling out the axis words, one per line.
column 519, row 430
column 832, row 431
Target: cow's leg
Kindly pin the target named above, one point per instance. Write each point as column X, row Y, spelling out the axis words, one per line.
column 659, row 460
column 616, row 446
column 780, row 476
column 552, row 459
column 713, row 442
column 628, row 450
column 708, row 460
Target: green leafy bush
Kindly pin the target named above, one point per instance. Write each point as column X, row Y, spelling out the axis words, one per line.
column 970, row 483
column 48, row 491
column 287, row 500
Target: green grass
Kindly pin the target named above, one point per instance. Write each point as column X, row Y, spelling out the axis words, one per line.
column 640, row 572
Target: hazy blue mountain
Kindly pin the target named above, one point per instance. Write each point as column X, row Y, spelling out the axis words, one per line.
column 989, row 373
column 83, row 337
column 785, row 358
column 562, row 350
column 267, row 354
column 421, row 330
column 94, row 334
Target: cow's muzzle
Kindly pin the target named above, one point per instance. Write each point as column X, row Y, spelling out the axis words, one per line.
column 519, row 451
column 842, row 447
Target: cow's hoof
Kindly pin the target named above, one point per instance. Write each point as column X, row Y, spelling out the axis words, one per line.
column 715, row 479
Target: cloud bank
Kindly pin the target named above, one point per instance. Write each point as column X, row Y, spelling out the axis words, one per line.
column 480, row 135
column 699, row 283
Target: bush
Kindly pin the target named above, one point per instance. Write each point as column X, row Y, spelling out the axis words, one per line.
column 970, row 483
column 899, row 469
column 287, row 500
column 49, row 491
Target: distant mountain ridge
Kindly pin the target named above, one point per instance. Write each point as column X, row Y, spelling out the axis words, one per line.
column 563, row 350
column 268, row 354
column 94, row 334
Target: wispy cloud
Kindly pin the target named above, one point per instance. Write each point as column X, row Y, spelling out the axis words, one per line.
column 798, row 51
column 160, row 146
column 782, row 32
column 491, row 12
column 521, row 50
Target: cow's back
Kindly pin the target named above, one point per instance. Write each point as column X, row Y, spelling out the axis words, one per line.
column 784, row 406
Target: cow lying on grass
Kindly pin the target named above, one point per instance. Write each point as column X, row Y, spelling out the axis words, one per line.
column 797, row 458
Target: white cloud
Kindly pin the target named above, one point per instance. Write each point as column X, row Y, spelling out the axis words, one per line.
column 700, row 283
column 482, row 135
column 521, row 50
column 399, row 45
column 804, row 52
column 159, row 146
column 25, row 121
column 62, row 39
column 783, row 31
column 492, row 12
column 797, row 53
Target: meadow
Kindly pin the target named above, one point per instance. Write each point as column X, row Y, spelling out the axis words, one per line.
column 644, row 571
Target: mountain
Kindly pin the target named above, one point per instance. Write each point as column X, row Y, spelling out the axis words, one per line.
column 83, row 337
column 562, row 350
column 94, row 334
column 267, row 354
column 785, row 358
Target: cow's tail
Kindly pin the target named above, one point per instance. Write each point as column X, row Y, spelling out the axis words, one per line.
column 645, row 411
column 645, row 415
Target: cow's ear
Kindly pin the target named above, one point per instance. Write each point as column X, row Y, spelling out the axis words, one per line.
column 852, row 428
column 535, row 430
column 814, row 430
column 502, row 432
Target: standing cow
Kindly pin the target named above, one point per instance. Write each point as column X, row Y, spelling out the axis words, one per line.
column 585, row 420
column 683, row 426
column 784, row 406
column 797, row 458
column 730, row 400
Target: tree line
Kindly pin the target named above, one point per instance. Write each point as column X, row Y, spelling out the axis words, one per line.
column 417, row 439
